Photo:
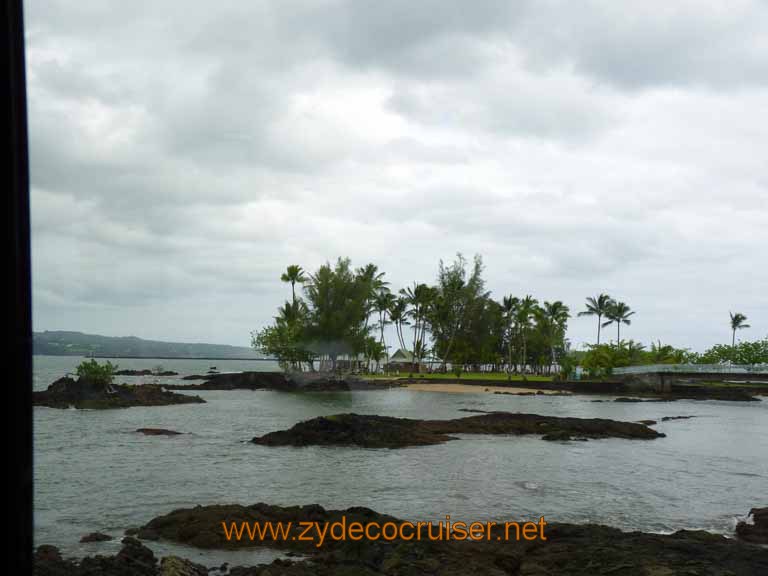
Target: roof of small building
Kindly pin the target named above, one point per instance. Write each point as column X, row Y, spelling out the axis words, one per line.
column 401, row 356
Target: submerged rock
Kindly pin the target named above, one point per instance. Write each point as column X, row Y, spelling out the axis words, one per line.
column 625, row 399
column 757, row 530
column 158, row 432
column 85, row 393
column 96, row 537
column 388, row 432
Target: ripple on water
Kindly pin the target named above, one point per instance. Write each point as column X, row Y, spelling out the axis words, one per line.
column 93, row 472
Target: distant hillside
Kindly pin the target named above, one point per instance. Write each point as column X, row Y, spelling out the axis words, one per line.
column 63, row 343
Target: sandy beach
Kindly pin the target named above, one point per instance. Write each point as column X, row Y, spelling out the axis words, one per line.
column 475, row 389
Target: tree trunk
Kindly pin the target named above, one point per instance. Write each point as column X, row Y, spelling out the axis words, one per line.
column 524, row 359
column 415, row 340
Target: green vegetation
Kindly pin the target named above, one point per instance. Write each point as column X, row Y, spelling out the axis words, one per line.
column 598, row 306
column 618, row 313
column 294, row 275
column 737, row 323
column 331, row 321
column 742, row 353
column 97, row 373
column 600, row 360
column 339, row 320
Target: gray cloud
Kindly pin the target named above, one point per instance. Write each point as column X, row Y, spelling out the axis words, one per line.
column 183, row 154
column 653, row 44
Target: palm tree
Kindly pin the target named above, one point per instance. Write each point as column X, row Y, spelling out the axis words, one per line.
column 619, row 313
column 294, row 274
column 525, row 312
column 291, row 313
column 373, row 280
column 509, row 306
column 397, row 314
column 382, row 305
column 420, row 298
column 597, row 307
column 737, row 323
column 555, row 316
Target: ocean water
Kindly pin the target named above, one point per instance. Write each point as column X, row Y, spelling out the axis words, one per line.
column 93, row 472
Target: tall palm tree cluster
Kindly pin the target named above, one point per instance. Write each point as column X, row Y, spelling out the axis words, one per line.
column 613, row 311
column 339, row 313
column 344, row 313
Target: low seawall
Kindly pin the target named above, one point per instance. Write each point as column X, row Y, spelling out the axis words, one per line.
column 665, row 381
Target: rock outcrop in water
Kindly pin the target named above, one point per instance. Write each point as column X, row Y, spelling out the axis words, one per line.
column 569, row 550
column 757, row 530
column 201, row 526
column 575, row 550
column 275, row 381
column 158, row 432
column 95, row 537
column 387, row 432
column 134, row 559
column 146, row 373
column 85, row 393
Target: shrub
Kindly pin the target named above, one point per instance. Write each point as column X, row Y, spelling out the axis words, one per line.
column 743, row 353
column 95, row 372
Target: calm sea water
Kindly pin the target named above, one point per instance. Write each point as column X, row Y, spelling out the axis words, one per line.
column 94, row 473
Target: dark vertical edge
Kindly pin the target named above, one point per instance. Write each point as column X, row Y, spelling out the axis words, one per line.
column 17, row 243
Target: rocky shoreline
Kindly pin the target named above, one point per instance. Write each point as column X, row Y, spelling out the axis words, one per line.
column 317, row 382
column 86, row 394
column 757, row 529
column 146, row 372
column 279, row 381
column 370, row 431
column 569, row 550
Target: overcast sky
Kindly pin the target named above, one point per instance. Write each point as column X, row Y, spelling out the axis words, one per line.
column 183, row 155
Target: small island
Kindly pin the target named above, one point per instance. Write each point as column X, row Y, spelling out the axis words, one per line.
column 94, row 389
column 370, row 431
